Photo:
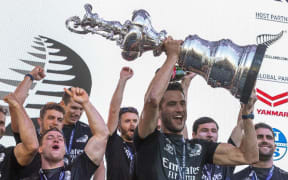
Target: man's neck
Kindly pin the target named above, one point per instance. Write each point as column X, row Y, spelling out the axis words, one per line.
column 46, row 164
column 166, row 131
column 264, row 164
column 126, row 140
column 68, row 123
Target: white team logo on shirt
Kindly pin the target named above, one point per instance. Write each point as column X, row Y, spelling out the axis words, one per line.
column 82, row 139
column 196, row 151
column 169, row 149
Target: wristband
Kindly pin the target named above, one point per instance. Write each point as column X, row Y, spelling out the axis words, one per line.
column 248, row 116
column 30, row 76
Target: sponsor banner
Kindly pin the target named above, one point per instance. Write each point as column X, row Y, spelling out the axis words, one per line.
column 281, row 145
column 34, row 33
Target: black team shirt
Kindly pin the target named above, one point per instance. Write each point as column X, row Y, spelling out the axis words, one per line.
column 262, row 174
column 8, row 163
column 82, row 134
column 168, row 156
column 120, row 155
column 81, row 169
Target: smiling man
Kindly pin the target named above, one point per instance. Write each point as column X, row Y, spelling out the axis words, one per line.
column 264, row 169
column 167, row 155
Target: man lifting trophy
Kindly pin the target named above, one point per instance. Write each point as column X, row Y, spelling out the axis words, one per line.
column 221, row 63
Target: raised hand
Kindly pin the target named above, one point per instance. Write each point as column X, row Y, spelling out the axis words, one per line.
column 126, row 73
column 79, row 95
column 249, row 107
column 187, row 78
column 172, row 47
column 38, row 73
column 189, row 75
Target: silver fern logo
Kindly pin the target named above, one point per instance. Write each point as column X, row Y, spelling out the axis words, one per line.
column 63, row 67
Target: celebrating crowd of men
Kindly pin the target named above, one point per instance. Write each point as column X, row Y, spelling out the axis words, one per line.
column 150, row 146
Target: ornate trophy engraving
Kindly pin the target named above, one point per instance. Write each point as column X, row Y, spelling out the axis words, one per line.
column 221, row 63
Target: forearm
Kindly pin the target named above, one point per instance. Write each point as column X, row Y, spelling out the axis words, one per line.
column 115, row 105
column 95, row 120
column 185, row 83
column 26, row 130
column 236, row 135
column 156, row 90
column 100, row 134
column 249, row 144
column 21, row 93
column 22, row 90
column 161, row 79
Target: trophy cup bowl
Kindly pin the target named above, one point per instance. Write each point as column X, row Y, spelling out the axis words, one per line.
column 221, row 63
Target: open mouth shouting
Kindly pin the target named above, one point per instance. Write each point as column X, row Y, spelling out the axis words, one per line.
column 179, row 118
column 55, row 147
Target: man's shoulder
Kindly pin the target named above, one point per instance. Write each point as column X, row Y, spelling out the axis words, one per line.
column 281, row 171
column 6, row 150
column 83, row 128
column 150, row 139
column 201, row 142
column 81, row 124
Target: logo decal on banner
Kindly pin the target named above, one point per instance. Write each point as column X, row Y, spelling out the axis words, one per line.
column 281, row 145
column 63, row 67
column 272, row 78
column 272, row 101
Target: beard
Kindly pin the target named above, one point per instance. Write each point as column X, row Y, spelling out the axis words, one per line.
column 167, row 123
column 267, row 155
column 125, row 134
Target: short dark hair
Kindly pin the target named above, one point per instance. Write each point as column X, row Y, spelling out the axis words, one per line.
column 66, row 97
column 4, row 111
column 47, row 131
column 265, row 126
column 127, row 109
column 50, row 106
column 203, row 120
column 173, row 86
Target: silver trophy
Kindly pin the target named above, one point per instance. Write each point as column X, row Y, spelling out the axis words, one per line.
column 222, row 63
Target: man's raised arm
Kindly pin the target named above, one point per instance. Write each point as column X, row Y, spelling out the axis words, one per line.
column 21, row 92
column 95, row 148
column 27, row 149
column 113, row 117
column 149, row 117
column 247, row 153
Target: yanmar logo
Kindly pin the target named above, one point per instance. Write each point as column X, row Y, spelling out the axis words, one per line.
column 272, row 101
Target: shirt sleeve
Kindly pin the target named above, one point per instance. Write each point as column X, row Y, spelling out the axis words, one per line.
column 82, row 167
column 209, row 149
column 230, row 141
column 139, row 142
